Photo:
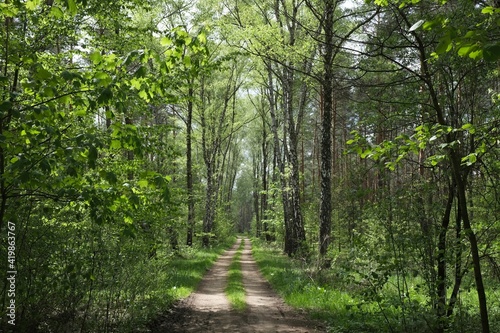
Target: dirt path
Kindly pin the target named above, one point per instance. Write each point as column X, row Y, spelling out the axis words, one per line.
column 208, row 311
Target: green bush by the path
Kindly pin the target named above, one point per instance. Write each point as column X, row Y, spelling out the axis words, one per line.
column 350, row 303
column 235, row 291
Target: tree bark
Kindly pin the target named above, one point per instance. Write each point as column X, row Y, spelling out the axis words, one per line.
column 296, row 220
column 263, row 196
column 325, row 215
column 441, row 260
column 189, row 169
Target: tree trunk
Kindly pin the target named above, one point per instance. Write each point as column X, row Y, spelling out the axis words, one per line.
column 296, row 220
column 255, row 194
column 263, row 196
column 210, row 203
column 277, row 154
column 441, row 260
column 476, row 260
column 189, row 169
column 325, row 215
column 458, row 263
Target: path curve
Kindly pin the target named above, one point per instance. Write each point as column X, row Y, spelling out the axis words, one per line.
column 208, row 311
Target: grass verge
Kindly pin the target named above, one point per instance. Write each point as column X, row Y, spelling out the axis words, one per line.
column 235, row 291
column 170, row 279
column 347, row 304
column 341, row 310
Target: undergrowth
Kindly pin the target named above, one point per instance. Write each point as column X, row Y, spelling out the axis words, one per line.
column 169, row 280
column 348, row 303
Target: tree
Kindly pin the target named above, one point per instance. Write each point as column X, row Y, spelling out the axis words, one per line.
column 217, row 120
column 444, row 85
column 85, row 122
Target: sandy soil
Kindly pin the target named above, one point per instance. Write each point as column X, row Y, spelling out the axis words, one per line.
column 208, row 311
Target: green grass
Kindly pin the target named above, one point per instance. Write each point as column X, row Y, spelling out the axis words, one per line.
column 235, row 291
column 353, row 306
column 170, row 279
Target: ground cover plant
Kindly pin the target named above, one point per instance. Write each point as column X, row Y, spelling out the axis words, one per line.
column 350, row 302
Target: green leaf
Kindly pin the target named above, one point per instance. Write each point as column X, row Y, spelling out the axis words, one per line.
column 65, row 99
column 365, row 153
column 49, row 92
column 144, row 95
column 435, row 159
column 80, row 112
column 166, row 194
column 466, row 126
column 135, row 200
column 488, row 10
column 45, row 166
column 8, row 10
column 143, row 183
column 68, row 76
column 165, row 41
column 464, row 50
column 103, row 79
column 135, row 84
column 141, row 72
column 469, row 159
column 202, row 37
column 478, row 54
column 56, row 12
column 43, row 74
column 115, row 144
column 130, row 57
column 430, row 24
column 444, row 45
column 5, row 106
column 72, row 6
column 32, row 4
column 491, row 52
column 96, row 57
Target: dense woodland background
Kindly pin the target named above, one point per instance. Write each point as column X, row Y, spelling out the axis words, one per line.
column 363, row 139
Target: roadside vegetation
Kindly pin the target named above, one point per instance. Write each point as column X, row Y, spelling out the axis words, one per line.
column 166, row 281
column 359, row 302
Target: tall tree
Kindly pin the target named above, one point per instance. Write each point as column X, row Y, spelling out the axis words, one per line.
column 217, row 119
column 444, row 82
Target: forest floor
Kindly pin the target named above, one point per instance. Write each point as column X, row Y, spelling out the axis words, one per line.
column 208, row 310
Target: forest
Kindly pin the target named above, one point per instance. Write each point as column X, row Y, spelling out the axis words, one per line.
column 356, row 142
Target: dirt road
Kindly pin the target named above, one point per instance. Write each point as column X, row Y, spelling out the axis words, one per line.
column 208, row 311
